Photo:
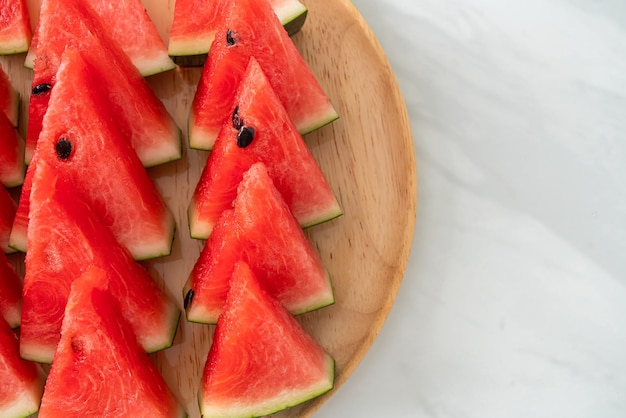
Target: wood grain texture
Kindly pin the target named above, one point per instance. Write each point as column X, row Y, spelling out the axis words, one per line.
column 368, row 158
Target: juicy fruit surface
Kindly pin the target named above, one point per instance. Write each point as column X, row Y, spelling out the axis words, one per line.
column 15, row 31
column 104, row 168
column 261, row 360
column 261, row 231
column 154, row 135
column 277, row 144
column 10, row 293
column 65, row 237
column 12, row 167
column 99, row 368
column 196, row 22
column 288, row 73
column 9, row 98
column 209, row 279
column 7, row 215
column 21, row 381
column 135, row 33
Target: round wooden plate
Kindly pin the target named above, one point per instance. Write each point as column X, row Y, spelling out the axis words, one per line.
column 368, row 158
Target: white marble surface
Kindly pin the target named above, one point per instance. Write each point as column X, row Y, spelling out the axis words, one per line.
column 514, row 300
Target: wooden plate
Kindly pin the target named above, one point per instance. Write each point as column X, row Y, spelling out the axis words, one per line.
column 368, row 158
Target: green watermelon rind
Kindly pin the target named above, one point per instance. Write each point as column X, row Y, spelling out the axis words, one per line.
column 146, row 67
column 29, row 401
column 166, row 154
column 197, row 315
column 203, row 139
column 18, row 46
column 18, row 241
column 163, row 247
column 44, row 354
column 293, row 16
column 201, row 230
column 192, row 52
column 276, row 404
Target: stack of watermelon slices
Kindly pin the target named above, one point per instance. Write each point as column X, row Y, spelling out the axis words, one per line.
column 260, row 186
column 89, row 204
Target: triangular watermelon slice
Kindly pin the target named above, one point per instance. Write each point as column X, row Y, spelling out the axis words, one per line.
column 99, row 369
column 154, row 135
column 263, row 232
column 196, row 22
column 260, row 131
column 15, row 30
column 236, row 41
column 126, row 21
column 106, row 171
column 9, row 98
column 10, row 293
column 12, row 167
column 21, row 381
column 7, row 215
column 261, row 360
column 65, row 237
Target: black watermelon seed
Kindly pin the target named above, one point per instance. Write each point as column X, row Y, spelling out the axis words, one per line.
column 229, row 37
column 63, row 148
column 188, row 298
column 245, row 136
column 41, row 88
column 237, row 121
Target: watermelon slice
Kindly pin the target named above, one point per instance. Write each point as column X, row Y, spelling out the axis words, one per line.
column 134, row 33
column 80, row 122
column 236, row 41
column 10, row 293
column 196, row 22
column 9, row 98
column 15, row 30
column 154, row 135
column 7, row 215
column 65, row 237
column 262, row 231
column 99, row 369
column 261, row 360
column 21, row 381
column 12, row 167
column 258, row 115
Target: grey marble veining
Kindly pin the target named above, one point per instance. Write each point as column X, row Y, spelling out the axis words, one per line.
column 514, row 300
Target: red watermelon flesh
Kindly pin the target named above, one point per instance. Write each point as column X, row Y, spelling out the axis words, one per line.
column 99, row 369
column 154, row 135
column 15, row 31
column 261, row 359
column 236, row 41
column 101, row 163
column 7, row 215
column 65, row 237
column 263, row 232
column 12, row 167
column 134, row 33
column 19, row 228
column 10, row 293
column 196, row 21
column 277, row 144
column 21, row 381
column 9, row 98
